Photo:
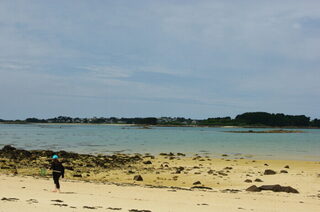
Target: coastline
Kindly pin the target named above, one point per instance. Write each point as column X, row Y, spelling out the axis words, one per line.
column 197, row 182
column 169, row 125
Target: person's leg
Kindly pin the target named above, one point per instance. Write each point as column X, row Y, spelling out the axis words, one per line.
column 56, row 177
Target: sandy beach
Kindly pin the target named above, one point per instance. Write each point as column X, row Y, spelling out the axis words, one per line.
column 35, row 195
column 169, row 182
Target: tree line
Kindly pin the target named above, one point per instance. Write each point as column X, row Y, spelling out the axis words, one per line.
column 257, row 119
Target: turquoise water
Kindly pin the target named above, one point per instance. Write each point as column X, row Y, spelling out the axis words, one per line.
column 210, row 141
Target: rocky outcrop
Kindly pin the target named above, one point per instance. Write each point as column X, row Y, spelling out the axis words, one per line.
column 15, row 158
column 274, row 188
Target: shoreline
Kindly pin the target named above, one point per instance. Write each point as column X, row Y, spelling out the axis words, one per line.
column 160, row 125
column 165, row 169
column 167, row 182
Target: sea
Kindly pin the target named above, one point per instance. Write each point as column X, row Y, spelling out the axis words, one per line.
column 213, row 142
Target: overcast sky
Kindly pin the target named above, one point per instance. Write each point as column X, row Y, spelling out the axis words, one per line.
column 194, row 59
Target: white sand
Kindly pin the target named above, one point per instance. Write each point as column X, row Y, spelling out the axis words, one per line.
column 79, row 194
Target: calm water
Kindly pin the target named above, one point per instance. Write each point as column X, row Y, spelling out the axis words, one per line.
column 212, row 141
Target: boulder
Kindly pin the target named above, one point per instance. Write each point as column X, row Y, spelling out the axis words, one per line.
column 274, row 188
column 269, row 172
column 137, row 178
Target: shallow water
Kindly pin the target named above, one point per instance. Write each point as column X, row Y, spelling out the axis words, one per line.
column 210, row 141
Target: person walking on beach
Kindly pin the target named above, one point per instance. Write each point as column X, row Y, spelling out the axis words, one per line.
column 57, row 171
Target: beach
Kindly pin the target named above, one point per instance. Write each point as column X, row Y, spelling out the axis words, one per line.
column 169, row 182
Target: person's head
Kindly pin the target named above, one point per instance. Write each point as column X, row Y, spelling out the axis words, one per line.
column 55, row 157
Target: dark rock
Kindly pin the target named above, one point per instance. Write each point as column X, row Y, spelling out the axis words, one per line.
column 136, row 210
column 248, row 181
column 180, row 154
column 8, row 148
column 201, row 187
column 211, row 171
column 253, row 188
column 269, row 172
column 56, row 200
column 228, row 168
column 278, row 188
column 147, row 162
column 77, row 175
column 266, row 164
column 89, row 207
column 224, row 155
column 60, row 205
column 258, row 180
column 222, row 173
column 9, row 199
column 197, row 183
column 284, row 171
column 287, row 167
column 274, row 188
column 137, row 178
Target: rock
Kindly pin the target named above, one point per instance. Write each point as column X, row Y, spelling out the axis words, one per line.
column 210, row 171
column 274, row 188
column 228, row 168
column 137, row 178
column 253, row 188
column 9, row 199
column 77, row 175
column 89, row 207
column 222, row 173
column 136, row 210
column 56, row 200
column 180, row 154
column 248, row 181
column 224, row 155
column 197, row 183
column 287, row 167
column 284, row 171
column 147, row 162
column 278, row 188
column 258, row 180
column 269, row 172
column 266, row 164
column 8, row 148
column 201, row 187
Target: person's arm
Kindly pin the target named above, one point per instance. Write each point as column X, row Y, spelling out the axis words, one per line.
column 62, row 171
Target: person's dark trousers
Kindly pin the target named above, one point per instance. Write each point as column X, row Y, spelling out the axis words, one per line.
column 56, row 177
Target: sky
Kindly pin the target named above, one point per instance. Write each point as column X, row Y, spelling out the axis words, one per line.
column 178, row 58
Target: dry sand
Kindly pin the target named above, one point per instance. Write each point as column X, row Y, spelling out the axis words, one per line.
column 34, row 194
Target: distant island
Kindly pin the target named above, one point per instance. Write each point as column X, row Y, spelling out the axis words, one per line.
column 249, row 119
